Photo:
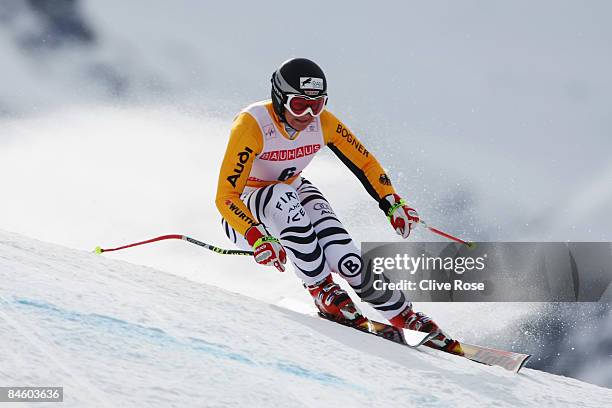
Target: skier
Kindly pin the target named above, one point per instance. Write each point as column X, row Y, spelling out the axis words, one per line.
column 268, row 206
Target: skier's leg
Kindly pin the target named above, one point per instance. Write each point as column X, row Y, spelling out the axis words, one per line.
column 342, row 254
column 279, row 209
column 345, row 258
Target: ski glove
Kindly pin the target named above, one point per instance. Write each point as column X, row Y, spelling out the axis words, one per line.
column 267, row 249
column 402, row 218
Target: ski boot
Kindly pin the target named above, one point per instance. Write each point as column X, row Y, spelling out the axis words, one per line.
column 418, row 321
column 335, row 304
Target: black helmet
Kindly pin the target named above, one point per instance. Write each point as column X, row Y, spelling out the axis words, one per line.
column 296, row 76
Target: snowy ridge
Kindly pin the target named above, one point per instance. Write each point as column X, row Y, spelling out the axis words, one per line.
column 113, row 333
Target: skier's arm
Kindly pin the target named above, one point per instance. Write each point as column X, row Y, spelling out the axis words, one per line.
column 371, row 174
column 356, row 156
column 244, row 144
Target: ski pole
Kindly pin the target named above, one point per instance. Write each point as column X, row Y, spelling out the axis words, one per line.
column 447, row 235
column 222, row 251
column 213, row 248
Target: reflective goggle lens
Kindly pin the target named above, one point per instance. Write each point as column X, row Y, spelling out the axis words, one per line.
column 299, row 104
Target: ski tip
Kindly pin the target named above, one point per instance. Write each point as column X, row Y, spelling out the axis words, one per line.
column 522, row 364
column 98, row 250
column 471, row 245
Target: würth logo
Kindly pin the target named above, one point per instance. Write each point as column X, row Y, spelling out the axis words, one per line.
column 241, row 215
column 290, row 154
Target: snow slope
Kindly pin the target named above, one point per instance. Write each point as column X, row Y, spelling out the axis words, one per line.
column 117, row 334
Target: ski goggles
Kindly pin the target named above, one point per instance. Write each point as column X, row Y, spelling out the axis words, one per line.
column 300, row 105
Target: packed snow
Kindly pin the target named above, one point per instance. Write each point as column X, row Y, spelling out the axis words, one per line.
column 117, row 334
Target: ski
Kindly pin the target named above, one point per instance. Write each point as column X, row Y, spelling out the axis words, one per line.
column 509, row 360
column 492, row 357
column 409, row 338
column 506, row 359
